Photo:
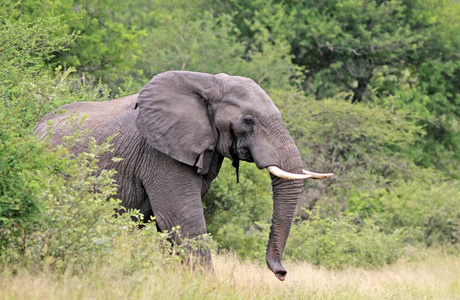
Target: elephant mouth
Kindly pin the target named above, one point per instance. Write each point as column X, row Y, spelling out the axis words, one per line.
column 245, row 154
column 239, row 152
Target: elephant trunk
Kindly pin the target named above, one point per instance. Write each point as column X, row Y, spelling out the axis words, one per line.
column 286, row 194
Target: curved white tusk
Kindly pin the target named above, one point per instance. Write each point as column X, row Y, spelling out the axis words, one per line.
column 286, row 175
column 318, row 175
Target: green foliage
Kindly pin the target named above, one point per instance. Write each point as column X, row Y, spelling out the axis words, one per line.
column 22, row 165
column 356, row 142
column 237, row 213
column 149, row 250
column 23, row 161
column 29, row 90
column 342, row 43
column 53, row 207
column 429, row 209
column 187, row 38
column 76, row 218
column 104, row 48
column 37, row 97
column 25, row 46
column 342, row 243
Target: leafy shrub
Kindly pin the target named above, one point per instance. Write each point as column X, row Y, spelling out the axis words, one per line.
column 73, row 207
column 361, row 145
column 36, row 97
column 248, row 242
column 342, row 243
column 235, row 212
column 23, row 162
column 102, row 44
column 430, row 208
column 190, row 39
column 132, row 250
column 26, row 45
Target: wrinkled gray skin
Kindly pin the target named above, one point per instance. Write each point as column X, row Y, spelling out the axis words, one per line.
column 174, row 142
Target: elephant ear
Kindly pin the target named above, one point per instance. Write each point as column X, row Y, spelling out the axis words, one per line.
column 175, row 119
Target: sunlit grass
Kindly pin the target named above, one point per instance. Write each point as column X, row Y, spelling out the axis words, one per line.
column 431, row 278
column 434, row 277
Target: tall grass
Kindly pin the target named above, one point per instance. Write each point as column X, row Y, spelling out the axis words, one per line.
column 435, row 276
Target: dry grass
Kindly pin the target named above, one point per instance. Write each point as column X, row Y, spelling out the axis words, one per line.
column 432, row 278
column 436, row 277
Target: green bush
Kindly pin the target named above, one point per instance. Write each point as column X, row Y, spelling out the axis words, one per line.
column 38, row 96
column 72, row 201
column 430, row 208
column 360, row 144
column 236, row 213
column 192, row 39
column 342, row 243
column 23, row 165
column 26, row 46
column 100, row 46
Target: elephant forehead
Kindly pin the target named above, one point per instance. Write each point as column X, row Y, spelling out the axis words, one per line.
column 264, row 109
column 239, row 109
column 248, row 98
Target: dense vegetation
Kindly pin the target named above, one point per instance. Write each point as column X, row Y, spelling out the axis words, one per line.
column 369, row 89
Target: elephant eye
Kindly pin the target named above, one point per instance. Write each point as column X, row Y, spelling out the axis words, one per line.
column 248, row 120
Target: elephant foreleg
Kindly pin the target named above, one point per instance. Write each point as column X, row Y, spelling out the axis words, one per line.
column 176, row 203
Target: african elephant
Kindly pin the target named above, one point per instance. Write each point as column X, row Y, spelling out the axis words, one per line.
column 173, row 137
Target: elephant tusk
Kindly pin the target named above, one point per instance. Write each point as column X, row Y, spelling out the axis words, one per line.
column 318, row 175
column 286, row 175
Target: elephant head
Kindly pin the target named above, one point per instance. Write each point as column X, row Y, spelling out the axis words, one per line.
column 190, row 116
